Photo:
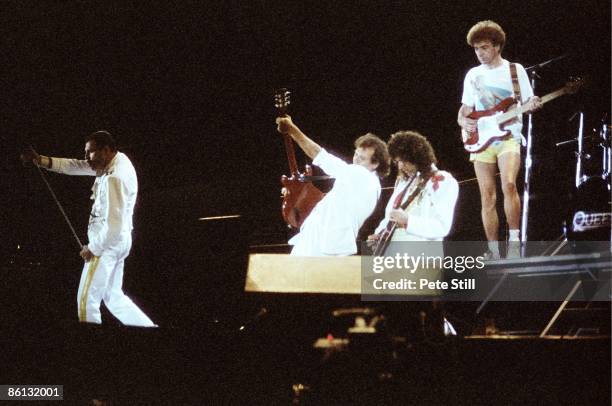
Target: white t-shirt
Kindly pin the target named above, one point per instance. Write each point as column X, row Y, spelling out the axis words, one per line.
column 483, row 88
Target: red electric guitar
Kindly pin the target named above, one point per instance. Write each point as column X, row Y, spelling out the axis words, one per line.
column 491, row 122
column 299, row 195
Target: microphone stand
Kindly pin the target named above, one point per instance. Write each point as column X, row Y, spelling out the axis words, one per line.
column 528, row 163
column 528, row 155
column 59, row 205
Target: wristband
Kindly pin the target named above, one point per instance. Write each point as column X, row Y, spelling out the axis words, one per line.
column 45, row 161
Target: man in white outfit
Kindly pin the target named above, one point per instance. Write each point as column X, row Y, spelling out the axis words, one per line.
column 429, row 216
column 331, row 228
column 110, row 227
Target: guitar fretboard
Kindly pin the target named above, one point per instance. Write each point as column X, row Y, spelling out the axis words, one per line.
column 502, row 118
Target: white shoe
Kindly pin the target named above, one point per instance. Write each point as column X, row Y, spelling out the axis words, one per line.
column 490, row 256
column 514, row 249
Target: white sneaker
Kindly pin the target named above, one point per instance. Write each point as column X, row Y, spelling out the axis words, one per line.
column 514, row 249
column 490, row 256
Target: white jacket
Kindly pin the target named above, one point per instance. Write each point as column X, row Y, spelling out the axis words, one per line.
column 430, row 215
column 114, row 197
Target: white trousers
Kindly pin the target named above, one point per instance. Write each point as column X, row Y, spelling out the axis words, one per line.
column 102, row 279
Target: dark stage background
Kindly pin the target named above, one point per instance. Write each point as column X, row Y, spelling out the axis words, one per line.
column 186, row 87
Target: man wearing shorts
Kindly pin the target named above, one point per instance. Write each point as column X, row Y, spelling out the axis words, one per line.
column 484, row 87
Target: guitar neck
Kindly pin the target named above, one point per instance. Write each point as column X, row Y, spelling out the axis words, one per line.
column 553, row 95
column 502, row 118
column 281, row 102
column 290, row 154
column 384, row 239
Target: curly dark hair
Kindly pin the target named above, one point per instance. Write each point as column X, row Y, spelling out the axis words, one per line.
column 381, row 154
column 487, row 30
column 410, row 146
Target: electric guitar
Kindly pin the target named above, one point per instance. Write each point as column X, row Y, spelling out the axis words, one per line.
column 384, row 237
column 490, row 125
column 299, row 194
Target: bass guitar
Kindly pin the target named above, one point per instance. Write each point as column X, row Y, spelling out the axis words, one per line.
column 490, row 124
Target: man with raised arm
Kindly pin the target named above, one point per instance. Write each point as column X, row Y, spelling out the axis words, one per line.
column 110, row 227
column 332, row 226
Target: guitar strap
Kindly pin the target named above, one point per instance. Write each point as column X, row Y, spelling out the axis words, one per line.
column 515, row 82
column 516, row 87
column 420, row 187
column 400, row 197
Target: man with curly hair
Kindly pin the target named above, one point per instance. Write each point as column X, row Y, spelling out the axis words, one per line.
column 484, row 87
column 429, row 216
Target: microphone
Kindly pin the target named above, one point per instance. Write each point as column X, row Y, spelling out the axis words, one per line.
column 27, row 157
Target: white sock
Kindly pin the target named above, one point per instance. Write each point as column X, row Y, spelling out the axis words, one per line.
column 513, row 235
column 494, row 248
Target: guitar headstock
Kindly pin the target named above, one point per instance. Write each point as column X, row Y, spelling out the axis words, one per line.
column 282, row 99
column 574, row 84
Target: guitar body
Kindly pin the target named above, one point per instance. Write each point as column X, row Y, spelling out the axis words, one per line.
column 299, row 198
column 490, row 122
column 384, row 238
column 488, row 128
